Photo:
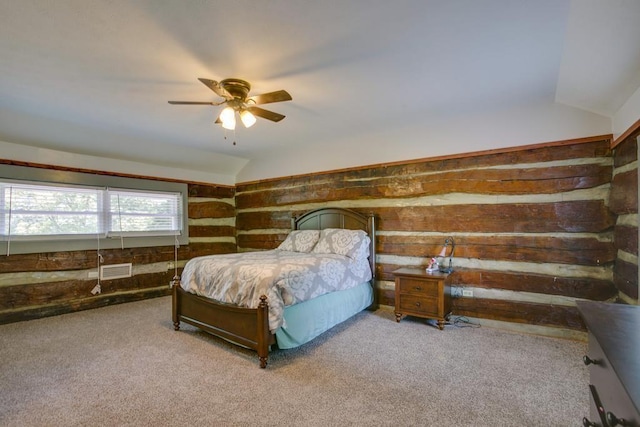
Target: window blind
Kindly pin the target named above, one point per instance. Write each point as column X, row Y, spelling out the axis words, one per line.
column 35, row 211
column 143, row 213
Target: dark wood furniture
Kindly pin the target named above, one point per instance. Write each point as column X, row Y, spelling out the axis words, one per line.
column 422, row 294
column 249, row 327
column 614, row 363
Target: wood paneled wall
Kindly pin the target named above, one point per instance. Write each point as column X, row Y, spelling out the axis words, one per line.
column 623, row 201
column 46, row 284
column 532, row 226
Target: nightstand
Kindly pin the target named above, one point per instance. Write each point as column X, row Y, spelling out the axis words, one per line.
column 422, row 294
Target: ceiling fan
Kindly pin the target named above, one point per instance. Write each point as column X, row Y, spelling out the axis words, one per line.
column 234, row 92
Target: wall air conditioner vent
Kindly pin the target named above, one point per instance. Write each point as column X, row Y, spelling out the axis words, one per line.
column 115, row 271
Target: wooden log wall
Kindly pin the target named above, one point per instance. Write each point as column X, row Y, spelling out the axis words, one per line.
column 623, row 201
column 532, row 226
column 46, row 284
column 535, row 229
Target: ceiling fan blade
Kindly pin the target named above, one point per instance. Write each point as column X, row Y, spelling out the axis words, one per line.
column 215, row 86
column 195, row 103
column 266, row 114
column 266, row 98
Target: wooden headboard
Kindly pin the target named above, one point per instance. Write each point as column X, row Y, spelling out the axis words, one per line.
column 320, row 219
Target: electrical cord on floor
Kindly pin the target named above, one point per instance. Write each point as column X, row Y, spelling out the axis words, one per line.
column 461, row 322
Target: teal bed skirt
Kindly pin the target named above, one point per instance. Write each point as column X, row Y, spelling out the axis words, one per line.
column 307, row 320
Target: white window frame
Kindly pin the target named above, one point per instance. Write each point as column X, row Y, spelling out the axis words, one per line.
column 175, row 214
column 7, row 233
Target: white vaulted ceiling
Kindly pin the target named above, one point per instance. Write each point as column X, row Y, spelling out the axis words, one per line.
column 372, row 81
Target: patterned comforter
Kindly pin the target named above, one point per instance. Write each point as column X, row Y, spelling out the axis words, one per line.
column 286, row 278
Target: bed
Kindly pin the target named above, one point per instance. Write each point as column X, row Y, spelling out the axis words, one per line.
column 256, row 327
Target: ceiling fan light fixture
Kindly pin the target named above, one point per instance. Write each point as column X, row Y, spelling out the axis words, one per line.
column 229, row 124
column 228, row 118
column 227, row 114
column 247, row 118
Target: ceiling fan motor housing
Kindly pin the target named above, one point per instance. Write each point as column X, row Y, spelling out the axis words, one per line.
column 239, row 89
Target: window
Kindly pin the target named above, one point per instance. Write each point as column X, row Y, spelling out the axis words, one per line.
column 42, row 212
column 48, row 212
column 40, row 216
column 143, row 213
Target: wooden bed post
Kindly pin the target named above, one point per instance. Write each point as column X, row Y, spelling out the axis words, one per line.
column 371, row 228
column 175, row 284
column 263, row 331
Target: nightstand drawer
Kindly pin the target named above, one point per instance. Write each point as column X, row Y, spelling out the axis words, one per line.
column 418, row 305
column 418, row 286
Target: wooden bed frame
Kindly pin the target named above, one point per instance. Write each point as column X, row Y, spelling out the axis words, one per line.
column 249, row 327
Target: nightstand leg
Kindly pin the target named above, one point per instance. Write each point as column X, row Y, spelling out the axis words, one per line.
column 441, row 324
column 398, row 317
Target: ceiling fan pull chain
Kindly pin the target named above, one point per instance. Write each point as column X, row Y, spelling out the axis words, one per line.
column 234, row 136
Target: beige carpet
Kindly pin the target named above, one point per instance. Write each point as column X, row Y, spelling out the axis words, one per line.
column 124, row 365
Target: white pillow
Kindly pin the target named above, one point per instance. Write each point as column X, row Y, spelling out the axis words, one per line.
column 351, row 243
column 300, row 241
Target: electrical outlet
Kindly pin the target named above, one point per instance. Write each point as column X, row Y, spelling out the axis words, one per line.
column 170, row 265
column 467, row 293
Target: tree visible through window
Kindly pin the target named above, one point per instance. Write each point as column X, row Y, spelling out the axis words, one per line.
column 135, row 212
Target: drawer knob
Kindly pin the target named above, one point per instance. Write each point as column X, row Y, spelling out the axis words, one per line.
column 587, row 423
column 418, row 288
column 417, row 304
column 589, row 361
column 612, row 420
